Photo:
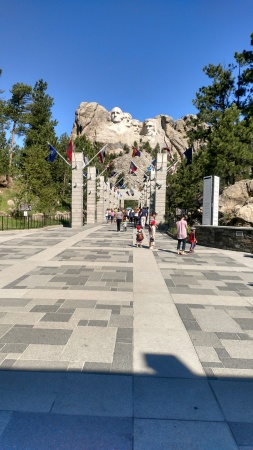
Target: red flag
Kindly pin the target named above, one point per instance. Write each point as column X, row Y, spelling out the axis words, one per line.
column 132, row 167
column 70, row 151
column 102, row 154
column 170, row 154
column 136, row 152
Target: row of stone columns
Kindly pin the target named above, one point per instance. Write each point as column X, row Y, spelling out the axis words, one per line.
column 101, row 197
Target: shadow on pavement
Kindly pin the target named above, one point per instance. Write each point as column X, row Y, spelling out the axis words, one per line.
column 170, row 408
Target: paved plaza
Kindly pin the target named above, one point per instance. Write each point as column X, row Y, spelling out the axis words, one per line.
column 106, row 346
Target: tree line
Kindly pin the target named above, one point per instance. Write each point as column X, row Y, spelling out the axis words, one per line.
column 221, row 134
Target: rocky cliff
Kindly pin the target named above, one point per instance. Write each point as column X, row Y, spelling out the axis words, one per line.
column 118, row 128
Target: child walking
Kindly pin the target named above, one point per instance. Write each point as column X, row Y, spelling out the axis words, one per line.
column 192, row 239
column 139, row 236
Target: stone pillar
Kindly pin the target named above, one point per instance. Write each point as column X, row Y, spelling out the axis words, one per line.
column 91, row 195
column 100, row 202
column 152, row 191
column 160, row 187
column 106, row 196
column 77, row 191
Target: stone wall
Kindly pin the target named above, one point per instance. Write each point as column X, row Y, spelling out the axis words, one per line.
column 228, row 238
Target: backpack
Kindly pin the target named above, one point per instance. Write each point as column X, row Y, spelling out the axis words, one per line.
column 139, row 237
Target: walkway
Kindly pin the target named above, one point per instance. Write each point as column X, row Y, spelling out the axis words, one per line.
column 105, row 346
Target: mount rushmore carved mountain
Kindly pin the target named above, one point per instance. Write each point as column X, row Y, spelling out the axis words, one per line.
column 118, row 128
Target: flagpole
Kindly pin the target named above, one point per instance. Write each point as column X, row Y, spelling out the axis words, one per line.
column 60, row 155
column 95, row 156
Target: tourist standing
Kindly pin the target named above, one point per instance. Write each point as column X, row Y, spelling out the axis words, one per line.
column 119, row 217
column 152, row 230
column 181, row 235
column 112, row 215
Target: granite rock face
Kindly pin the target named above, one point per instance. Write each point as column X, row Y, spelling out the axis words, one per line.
column 118, row 128
column 236, row 201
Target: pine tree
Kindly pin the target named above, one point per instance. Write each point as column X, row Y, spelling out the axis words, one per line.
column 37, row 185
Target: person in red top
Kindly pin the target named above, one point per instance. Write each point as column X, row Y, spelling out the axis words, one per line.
column 192, row 239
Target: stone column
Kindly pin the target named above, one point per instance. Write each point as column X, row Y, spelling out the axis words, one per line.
column 152, row 191
column 160, row 187
column 77, row 191
column 91, row 195
column 100, row 202
column 106, row 188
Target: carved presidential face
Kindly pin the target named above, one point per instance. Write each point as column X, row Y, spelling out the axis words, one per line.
column 136, row 126
column 116, row 115
column 149, row 127
column 127, row 119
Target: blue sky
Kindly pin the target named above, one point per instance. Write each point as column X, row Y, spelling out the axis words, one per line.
column 145, row 56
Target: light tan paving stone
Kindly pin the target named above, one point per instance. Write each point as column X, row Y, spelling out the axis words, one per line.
column 21, row 318
column 238, row 349
column 207, row 354
column 42, row 352
column 91, row 344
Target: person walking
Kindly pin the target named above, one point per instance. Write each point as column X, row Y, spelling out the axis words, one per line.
column 119, row 217
column 152, row 230
column 192, row 239
column 136, row 212
column 181, row 235
column 112, row 215
column 144, row 215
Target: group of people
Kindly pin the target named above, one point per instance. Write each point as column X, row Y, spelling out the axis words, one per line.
column 139, row 217
column 182, row 233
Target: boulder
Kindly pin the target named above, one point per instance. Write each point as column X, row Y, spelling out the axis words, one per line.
column 236, row 201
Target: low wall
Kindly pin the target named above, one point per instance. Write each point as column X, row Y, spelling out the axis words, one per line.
column 228, row 238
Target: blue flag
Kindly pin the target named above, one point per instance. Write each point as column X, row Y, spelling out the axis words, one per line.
column 52, row 153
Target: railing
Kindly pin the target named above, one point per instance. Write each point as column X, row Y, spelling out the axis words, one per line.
column 28, row 222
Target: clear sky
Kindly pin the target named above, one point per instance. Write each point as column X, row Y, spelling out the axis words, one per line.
column 145, row 56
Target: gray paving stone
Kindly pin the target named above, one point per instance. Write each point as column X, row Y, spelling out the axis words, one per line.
column 242, row 432
column 27, row 335
column 98, row 323
column 235, row 399
column 29, row 391
column 95, row 395
column 53, row 431
column 184, row 312
column 56, row 317
column 97, row 367
column 178, row 435
column 201, row 338
column 191, row 325
column 245, row 324
column 160, row 398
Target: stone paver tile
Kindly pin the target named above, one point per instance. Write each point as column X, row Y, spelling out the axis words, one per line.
column 239, row 349
column 21, row 318
column 91, row 344
column 42, row 352
column 215, row 321
column 53, row 430
column 26, row 335
column 95, row 395
column 29, row 391
column 207, row 354
column 175, row 434
column 235, row 399
column 161, row 398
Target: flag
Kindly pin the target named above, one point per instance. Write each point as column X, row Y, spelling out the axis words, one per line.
column 121, row 183
column 132, row 167
column 112, row 174
column 108, row 166
column 170, row 154
column 172, row 169
column 188, row 155
column 69, row 150
column 52, row 153
column 136, row 152
column 102, row 154
column 131, row 192
column 86, row 160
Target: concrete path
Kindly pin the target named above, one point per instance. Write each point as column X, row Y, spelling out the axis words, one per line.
column 106, row 346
